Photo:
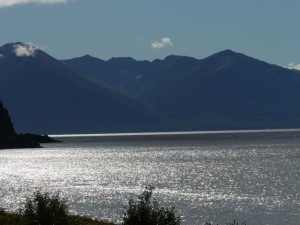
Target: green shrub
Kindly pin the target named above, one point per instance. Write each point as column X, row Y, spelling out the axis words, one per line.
column 146, row 211
column 45, row 209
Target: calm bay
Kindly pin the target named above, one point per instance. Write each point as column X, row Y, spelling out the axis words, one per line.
column 251, row 176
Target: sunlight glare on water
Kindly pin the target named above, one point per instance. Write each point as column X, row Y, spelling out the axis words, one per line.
column 253, row 181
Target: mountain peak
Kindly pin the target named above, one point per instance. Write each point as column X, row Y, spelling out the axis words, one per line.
column 87, row 58
column 226, row 57
column 227, row 53
column 19, row 49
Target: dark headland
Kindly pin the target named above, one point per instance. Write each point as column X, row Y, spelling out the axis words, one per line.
column 10, row 139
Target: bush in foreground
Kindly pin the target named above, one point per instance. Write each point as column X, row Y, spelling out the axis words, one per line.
column 51, row 209
column 7, row 218
column 46, row 209
column 146, row 211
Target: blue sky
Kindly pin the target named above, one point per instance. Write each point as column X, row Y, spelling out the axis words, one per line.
column 149, row 29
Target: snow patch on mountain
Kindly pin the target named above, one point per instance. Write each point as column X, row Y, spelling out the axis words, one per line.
column 294, row 66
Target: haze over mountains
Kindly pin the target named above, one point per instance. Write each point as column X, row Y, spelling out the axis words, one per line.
column 227, row 90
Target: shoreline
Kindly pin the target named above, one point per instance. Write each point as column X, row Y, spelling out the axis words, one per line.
column 186, row 135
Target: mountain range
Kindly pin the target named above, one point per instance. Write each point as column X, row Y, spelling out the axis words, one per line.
column 44, row 95
column 226, row 90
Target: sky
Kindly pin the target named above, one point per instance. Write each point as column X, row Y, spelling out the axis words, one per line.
column 148, row 29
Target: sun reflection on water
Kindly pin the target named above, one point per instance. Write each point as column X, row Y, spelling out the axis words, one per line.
column 205, row 181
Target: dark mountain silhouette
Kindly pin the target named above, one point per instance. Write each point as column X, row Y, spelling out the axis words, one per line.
column 95, row 69
column 45, row 96
column 121, row 73
column 227, row 90
column 128, row 67
column 231, row 89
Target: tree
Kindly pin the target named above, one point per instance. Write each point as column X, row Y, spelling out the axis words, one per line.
column 146, row 211
column 46, row 209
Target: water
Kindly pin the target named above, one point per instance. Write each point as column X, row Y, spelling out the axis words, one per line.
column 206, row 177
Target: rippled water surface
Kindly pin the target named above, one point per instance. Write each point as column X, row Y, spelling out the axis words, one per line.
column 256, row 181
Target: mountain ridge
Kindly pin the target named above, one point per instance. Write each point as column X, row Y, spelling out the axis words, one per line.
column 226, row 90
column 226, row 86
column 46, row 96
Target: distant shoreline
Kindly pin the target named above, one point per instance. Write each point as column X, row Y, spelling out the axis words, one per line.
column 176, row 132
column 199, row 135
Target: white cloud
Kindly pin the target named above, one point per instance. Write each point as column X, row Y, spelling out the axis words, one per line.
column 294, row 66
column 25, row 50
column 162, row 43
column 8, row 3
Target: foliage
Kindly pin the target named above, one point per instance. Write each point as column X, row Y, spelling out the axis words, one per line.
column 148, row 212
column 46, row 209
column 7, row 218
column 51, row 209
